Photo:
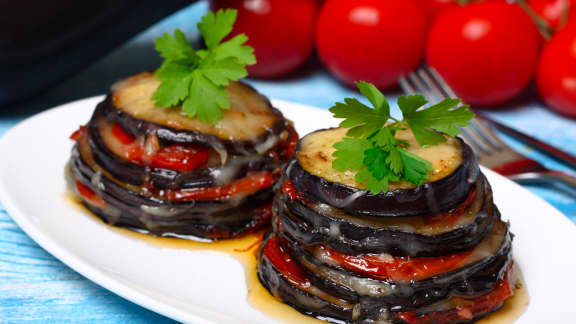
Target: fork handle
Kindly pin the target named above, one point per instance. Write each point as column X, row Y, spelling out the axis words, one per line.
column 547, row 177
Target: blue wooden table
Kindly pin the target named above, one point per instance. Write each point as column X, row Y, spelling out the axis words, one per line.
column 36, row 287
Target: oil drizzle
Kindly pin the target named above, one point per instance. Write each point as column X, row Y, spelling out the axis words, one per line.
column 513, row 307
column 245, row 248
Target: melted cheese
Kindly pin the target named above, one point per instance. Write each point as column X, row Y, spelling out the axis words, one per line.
column 315, row 156
column 248, row 116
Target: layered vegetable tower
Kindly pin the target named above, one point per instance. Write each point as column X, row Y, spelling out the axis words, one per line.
column 431, row 253
column 160, row 171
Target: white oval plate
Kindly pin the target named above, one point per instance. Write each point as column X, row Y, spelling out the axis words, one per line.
column 202, row 288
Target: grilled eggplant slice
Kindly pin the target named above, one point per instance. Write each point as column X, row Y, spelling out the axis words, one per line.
column 456, row 172
column 313, row 222
column 251, row 125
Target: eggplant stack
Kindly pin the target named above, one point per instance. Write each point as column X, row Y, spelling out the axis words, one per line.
column 435, row 253
column 158, row 171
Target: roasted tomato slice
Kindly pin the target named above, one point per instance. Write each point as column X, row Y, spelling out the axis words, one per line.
column 89, row 195
column 121, row 135
column 246, row 186
column 395, row 268
column 179, row 157
column 284, row 263
column 81, row 131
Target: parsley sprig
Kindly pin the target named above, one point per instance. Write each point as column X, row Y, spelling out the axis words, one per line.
column 370, row 147
column 197, row 79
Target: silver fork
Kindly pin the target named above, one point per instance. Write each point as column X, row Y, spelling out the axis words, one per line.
column 491, row 151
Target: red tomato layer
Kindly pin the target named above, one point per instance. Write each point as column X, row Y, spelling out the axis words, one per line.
column 121, row 135
column 290, row 190
column 283, row 262
column 478, row 305
column 395, row 268
column 89, row 195
column 178, row 157
column 287, row 147
column 247, row 185
column 81, row 131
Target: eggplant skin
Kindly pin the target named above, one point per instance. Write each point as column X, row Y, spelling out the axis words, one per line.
column 480, row 278
column 203, row 219
column 278, row 286
column 310, row 227
column 430, row 198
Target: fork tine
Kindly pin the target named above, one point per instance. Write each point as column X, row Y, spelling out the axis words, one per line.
column 436, row 91
column 441, row 82
column 421, row 86
column 405, row 85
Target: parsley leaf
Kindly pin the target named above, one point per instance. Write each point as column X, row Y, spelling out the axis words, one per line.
column 442, row 117
column 361, row 119
column 370, row 147
column 416, row 169
column 349, row 154
column 215, row 26
column 197, row 80
column 175, row 47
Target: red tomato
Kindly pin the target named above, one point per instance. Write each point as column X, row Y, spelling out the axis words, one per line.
column 488, row 51
column 434, row 7
column 89, row 195
column 123, row 136
column 284, row 263
column 556, row 77
column 281, row 32
column 553, row 10
column 395, row 268
column 371, row 40
column 184, row 158
column 248, row 185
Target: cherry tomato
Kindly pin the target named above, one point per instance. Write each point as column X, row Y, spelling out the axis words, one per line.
column 281, row 32
column 371, row 40
column 556, row 77
column 552, row 11
column 487, row 51
column 434, row 7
